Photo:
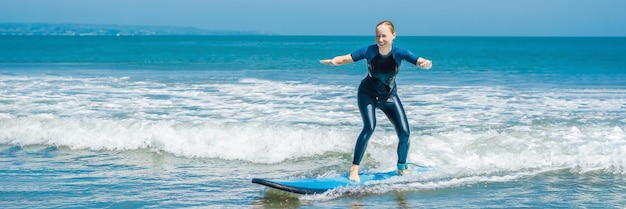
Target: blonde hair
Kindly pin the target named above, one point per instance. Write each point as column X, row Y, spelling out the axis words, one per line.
column 388, row 23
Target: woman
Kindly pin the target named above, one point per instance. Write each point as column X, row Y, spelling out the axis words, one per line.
column 378, row 90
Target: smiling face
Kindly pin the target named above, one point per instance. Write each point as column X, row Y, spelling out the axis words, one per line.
column 385, row 35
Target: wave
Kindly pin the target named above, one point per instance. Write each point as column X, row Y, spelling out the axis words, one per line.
column 490, row 128
column 253, row 142
column 515, row 148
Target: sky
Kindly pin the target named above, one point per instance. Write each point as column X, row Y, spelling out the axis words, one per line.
column 339, row 17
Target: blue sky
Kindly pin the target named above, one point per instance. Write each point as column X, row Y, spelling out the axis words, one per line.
column 340, row 17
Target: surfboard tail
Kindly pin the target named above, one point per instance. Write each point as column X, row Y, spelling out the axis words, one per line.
column 289, row 188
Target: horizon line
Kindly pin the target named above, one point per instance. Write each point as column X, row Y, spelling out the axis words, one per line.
column 223, row 32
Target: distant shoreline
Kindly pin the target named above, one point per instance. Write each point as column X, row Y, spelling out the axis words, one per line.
column 73, row 29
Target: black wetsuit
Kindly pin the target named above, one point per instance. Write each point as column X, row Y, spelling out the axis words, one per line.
column 378, row 90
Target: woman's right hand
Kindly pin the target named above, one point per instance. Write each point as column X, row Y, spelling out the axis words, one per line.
column 328, row 62
column 424, row 63
column 338, row 60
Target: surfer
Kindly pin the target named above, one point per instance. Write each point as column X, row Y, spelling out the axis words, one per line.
column 378, row 90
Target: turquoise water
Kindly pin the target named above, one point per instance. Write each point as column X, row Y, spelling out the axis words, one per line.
column 188, row 121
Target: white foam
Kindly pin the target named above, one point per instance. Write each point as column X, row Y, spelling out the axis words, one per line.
column 475, row 128
column 253, row 142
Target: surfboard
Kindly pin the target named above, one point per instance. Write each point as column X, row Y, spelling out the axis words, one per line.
column 320, row 185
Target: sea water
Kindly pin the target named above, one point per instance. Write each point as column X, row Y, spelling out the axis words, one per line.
column 188, row 121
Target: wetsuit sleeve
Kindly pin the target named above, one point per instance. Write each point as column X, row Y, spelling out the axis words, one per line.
column 359, row 54
column 405, row 54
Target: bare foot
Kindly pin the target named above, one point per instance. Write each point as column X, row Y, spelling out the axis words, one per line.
column 354, row 173
column 403, row 172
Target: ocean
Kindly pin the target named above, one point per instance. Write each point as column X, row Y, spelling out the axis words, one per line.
column 188, row 121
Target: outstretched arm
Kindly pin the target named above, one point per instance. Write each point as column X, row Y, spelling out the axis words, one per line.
column 338, row 60
column 424, row 63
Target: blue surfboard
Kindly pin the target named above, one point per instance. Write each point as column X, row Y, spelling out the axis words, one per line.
column 321, row 185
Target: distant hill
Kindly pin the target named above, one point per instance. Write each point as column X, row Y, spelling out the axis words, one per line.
column 70, row 29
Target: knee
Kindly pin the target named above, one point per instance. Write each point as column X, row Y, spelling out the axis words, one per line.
column 369, row 128
column 403, row 132
column 404, row 137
